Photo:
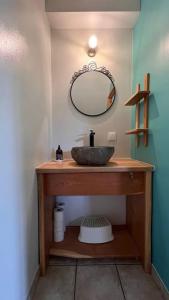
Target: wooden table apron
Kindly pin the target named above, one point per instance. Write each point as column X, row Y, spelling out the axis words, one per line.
column 132, row 181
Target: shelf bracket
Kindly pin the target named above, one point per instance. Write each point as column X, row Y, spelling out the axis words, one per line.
column 146, row 98
column 135, row 100
column 137, row 116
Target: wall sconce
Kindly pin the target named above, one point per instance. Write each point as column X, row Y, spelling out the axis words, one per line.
column 92, row 44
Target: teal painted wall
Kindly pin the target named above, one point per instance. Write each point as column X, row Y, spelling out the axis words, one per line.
column 151, row 54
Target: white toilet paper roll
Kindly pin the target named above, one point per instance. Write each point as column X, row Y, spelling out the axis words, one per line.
column 58, row 224
column 58, row 216
column 58, row 236
column 61, row 205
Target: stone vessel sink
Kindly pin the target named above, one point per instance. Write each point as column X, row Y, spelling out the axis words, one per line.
column 92, row 156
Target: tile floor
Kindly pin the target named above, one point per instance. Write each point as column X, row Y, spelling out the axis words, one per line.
column 71, row 279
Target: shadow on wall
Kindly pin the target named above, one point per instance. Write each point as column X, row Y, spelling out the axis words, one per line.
column 78, row 206
column 147, row 154
column 153, row 108
column 155, row 153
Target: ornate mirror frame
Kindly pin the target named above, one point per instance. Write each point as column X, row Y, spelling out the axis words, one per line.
column 92, row 67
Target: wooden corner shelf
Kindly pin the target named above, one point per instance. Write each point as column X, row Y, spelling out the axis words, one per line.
column 123, row 245
column 137, row 97
column 135, row 100
column 137, row 131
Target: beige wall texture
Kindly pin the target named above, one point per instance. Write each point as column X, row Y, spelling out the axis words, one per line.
column 70, row 128
column 25, row 99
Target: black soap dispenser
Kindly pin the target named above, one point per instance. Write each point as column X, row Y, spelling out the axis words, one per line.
column 59, row 153
column 91, row 138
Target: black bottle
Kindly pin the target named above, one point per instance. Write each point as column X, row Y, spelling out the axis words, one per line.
column 59, row 153
column 91, row 138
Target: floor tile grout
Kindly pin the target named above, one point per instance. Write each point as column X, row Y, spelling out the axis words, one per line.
column 74, row 297
column 121, row 272
column 121, row 285
column 62, row 265
column 84, row 265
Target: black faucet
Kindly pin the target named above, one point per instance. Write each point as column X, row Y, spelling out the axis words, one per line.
column 91, row 137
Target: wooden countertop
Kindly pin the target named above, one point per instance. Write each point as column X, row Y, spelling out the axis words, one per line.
column 115, row 165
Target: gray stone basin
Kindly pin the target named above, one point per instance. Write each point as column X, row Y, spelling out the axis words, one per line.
column 92, row 156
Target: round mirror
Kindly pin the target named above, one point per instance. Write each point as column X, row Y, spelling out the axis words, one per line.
column 92, row 90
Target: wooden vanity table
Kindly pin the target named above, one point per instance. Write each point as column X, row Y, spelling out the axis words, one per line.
column 120, row 177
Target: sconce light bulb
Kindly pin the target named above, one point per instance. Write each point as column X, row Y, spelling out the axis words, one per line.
column 92, row 42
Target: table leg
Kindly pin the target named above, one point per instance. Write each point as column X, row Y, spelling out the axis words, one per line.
column 138, row 215
column 42, row 231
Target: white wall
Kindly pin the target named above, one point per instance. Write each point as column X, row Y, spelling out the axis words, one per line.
column 68, row 56
column 25, row 90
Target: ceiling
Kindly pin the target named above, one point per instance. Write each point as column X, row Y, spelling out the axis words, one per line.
column 93, row 20
column 92, row 5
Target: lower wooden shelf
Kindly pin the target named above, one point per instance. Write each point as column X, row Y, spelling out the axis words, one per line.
column 123, row 246
column 137, row 131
